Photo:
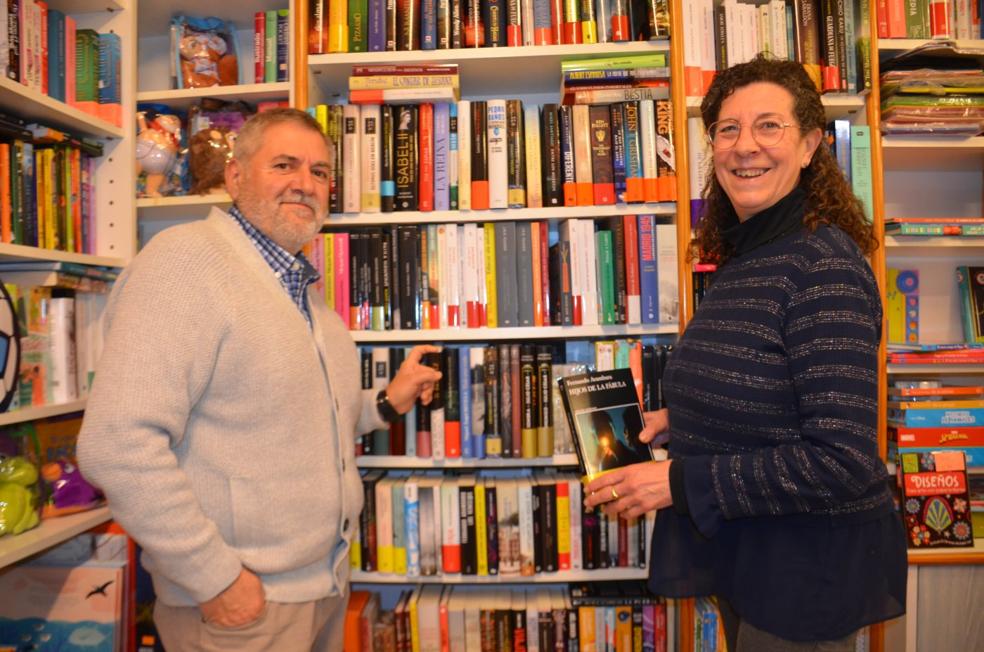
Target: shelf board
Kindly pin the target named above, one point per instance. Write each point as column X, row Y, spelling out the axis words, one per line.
column 404, row 462
column 154, row 18
column 932, row 153
column 48, row 534
column 524, row 333
column 949, row 556
column 10, row 252
column 560, row 577
column 86, row 6
column 837, row 105
column 666, row 209
column 185, row 206
column 893, row 46
column 41, row 412
column 183, row 98
column 921, row 245
column 481, row 69
column 935, row 369
column 19, row 100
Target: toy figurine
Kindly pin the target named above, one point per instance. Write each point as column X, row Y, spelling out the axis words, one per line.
column 157, row 148
column 18, row 495
column 67, row 491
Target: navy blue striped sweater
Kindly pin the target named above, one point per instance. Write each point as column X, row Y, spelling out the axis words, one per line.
column 772, row 396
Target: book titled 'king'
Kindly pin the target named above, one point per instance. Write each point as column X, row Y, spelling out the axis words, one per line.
column 605, row 418
column 936, row 502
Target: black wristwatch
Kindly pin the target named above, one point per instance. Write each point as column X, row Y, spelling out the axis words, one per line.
column 386, row 410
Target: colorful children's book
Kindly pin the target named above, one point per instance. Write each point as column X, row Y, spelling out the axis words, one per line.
column 936, row 503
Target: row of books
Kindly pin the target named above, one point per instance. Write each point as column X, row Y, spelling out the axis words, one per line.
column 382, row 84
column 501, row 274
column 271, row 46
column 377, row 26
column 929, row 19
column 60, row 339
column 46, row 187
column 486, row 524
column 479, row 155
column 620, row 618
column 831, row 39
column 935, row 226
column 42, row 48
column 936, row 444
column 902, row 313
column 501, row 400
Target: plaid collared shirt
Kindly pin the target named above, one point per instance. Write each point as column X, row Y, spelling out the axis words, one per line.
column 294, row 272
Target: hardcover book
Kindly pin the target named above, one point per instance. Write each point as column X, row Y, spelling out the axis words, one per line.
column 935, row 499
column 605, row 418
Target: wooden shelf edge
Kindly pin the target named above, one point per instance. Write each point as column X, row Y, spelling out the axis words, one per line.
column 559, row 577
column 41, row 412
column 948, row 556
column 48, row 534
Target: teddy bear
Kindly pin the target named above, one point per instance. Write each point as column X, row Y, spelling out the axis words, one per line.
column 208, row 152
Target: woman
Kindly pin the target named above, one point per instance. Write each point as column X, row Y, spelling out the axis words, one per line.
column 780, row 504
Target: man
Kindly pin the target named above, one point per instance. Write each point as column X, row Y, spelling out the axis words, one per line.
column 222, row 420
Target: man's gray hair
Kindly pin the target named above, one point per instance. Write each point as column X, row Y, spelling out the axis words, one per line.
column 250, row 137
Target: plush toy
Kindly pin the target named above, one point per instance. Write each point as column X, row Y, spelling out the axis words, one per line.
column 67, row 491
column 158, row 138
column 208, row 152
column 18, row 495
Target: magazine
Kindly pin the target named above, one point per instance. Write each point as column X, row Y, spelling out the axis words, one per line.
column 605, row 420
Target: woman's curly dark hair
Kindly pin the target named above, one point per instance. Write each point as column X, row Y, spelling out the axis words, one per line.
column 830, row 199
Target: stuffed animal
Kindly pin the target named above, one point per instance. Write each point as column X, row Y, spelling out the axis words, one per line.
column 208, row 152
column 205, row 60
column 18, row 495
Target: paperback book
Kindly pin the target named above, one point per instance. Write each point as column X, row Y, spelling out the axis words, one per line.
column 935, row 499
column 605, row 420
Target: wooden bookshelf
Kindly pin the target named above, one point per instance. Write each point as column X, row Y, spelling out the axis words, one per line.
column 48, row 534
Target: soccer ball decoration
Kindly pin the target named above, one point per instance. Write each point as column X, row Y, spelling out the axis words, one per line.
column 9, row 349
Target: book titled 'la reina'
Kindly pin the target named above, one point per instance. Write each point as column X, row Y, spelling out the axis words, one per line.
column 605, row 418
column 936, row 499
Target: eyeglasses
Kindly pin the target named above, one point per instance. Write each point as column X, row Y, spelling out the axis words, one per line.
column 766, row 130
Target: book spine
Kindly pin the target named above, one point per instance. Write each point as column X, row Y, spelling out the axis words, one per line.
column 369, row 142
column 534, row 171
column 479, row 156
column 498, row 157
column 515, row 151
column 442, row 117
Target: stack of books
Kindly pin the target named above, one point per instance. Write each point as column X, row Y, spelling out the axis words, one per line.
column 404, row 84
column 602, row 80
column 936, row 437
column 936, row 89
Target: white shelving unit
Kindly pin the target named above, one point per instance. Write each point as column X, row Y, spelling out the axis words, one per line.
column 558, row 577
column 526, row 333
column 154, row 85
column 405, row 462
column 838, row 105
column 41, row 412
column 665, row 210
column 48, row 534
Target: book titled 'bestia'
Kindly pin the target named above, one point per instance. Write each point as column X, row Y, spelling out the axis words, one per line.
column 605, row 418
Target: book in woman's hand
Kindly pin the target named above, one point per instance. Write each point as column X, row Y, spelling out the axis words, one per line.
column 605, row 418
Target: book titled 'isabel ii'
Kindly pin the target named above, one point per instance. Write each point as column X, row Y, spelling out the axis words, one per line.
column 605, row 419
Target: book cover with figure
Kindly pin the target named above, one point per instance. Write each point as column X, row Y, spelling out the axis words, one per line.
column 605, row 419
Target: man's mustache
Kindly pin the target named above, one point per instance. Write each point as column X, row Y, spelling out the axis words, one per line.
column 294, row 197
